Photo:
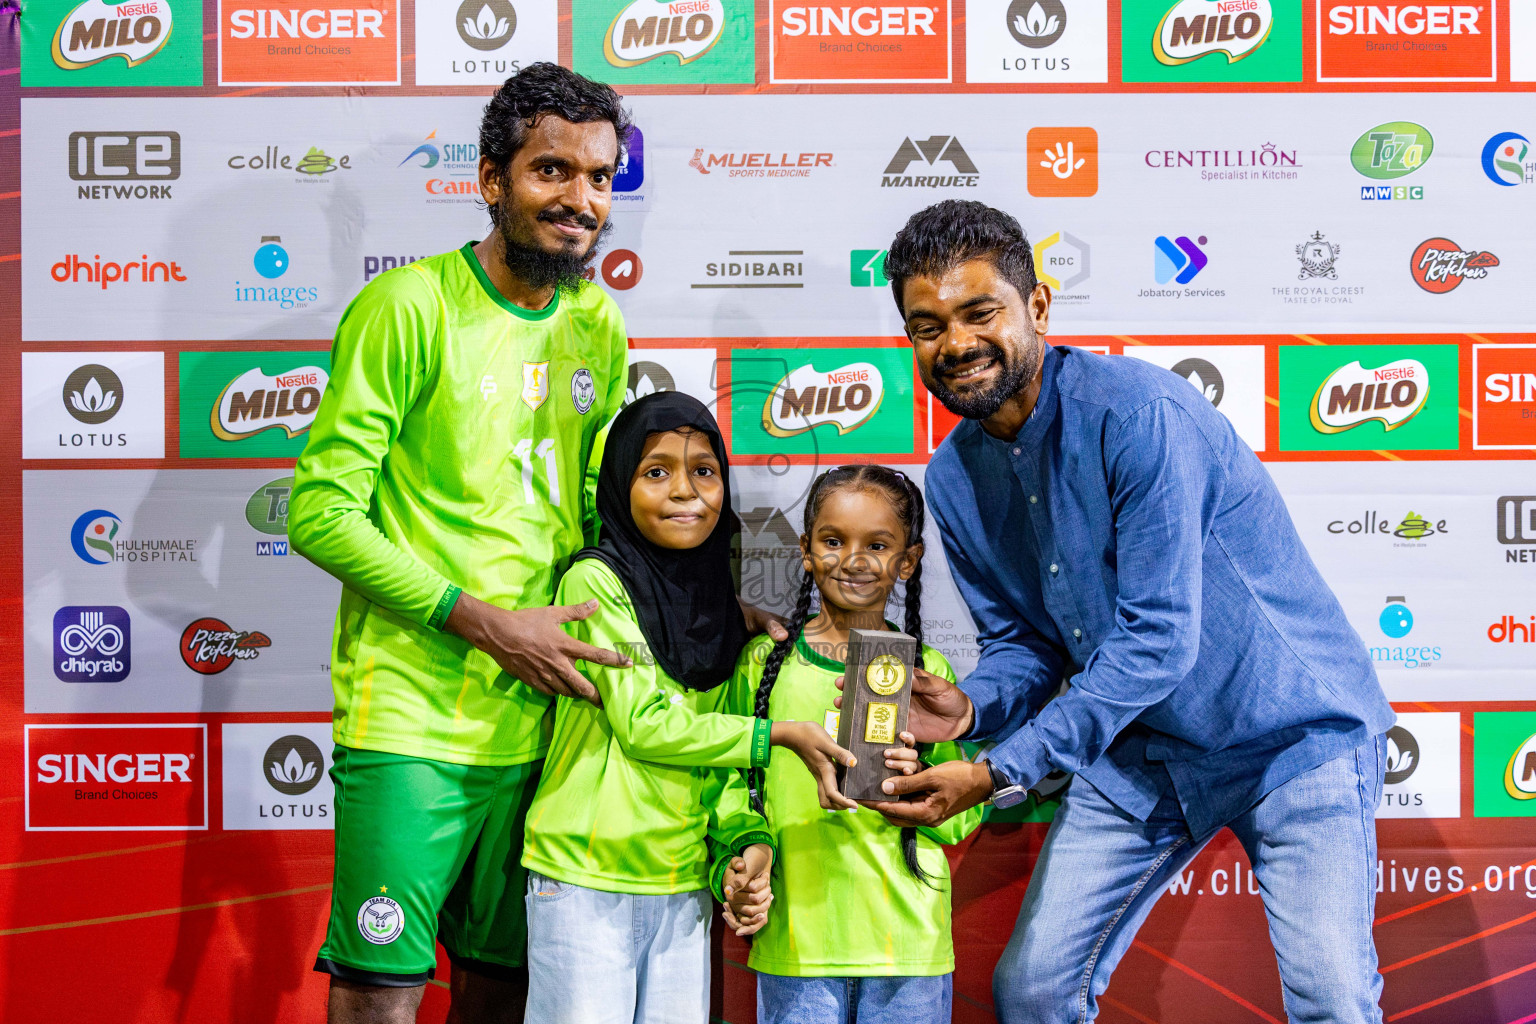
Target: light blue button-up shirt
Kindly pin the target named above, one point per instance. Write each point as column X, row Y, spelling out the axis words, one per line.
column 1128, row 540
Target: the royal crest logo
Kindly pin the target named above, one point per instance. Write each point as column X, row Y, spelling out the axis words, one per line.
column 805, row 398
column 583, row 391
column 646, row 29
column 380, row 920
column 1196, row 28
column 96, row 31
column 257, row 401
column 1351, row 395
column 209, row 645
column 1317, row 256
column 536, row 383
column 1439, row 265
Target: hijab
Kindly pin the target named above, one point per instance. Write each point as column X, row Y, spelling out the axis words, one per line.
column 685, row 600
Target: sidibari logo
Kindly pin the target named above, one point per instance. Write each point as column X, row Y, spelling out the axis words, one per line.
column 293, row 765
column 1439, row 265
column 934, row 149
column 1351, row 395
column 96, row 31
column 1392, row 150
column 805, row 398
column 1196, row 28
column 646, row 29
column 1504, row 159
column 1520, row 773
column 209, row 645
column 92, row 644
column 257, row 401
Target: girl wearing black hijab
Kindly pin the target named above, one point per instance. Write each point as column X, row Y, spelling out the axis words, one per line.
column 641, row 808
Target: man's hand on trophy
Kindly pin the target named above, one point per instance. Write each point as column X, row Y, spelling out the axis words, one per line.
column 940, row 710
column 935, row 795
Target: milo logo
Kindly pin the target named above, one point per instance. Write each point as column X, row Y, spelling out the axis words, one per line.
column 1352, row 395
column 805, row 398
column 95, row 31
column 646, row 29
column 1195, row 28
column 257, row 401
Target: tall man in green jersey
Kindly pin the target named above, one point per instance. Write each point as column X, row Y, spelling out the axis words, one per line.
column 445, row 483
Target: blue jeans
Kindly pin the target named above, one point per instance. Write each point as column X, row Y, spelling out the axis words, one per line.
column 616, row 958
column 1312, row 845
column 782, row 1000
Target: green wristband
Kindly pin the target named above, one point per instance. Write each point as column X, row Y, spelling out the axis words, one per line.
column 762, row 742
column 444, row 607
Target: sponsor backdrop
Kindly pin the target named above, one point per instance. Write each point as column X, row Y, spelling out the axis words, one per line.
column 1318, row 213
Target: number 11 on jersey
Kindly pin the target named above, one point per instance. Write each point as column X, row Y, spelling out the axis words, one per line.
column 526, row 453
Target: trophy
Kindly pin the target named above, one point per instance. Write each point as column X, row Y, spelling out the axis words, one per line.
column 877, row 689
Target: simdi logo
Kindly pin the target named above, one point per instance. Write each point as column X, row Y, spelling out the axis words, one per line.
column 1405, row 42
column 109, row 778
column 1192, row 29
column 1504, row 406
column 120, row 158
column 830, row 42
column 454, row 167
column 298, row 42
column 1439, row 265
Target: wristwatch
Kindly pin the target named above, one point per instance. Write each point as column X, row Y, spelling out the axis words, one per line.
column 1004, row 793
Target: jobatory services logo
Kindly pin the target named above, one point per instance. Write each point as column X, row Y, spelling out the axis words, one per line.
column 115, row 778
column 135, row 165
column 930, row 152
column 621, row 269
column 481, row 42
column 1504, row 396
column 97, row 43
column 820, row 41
column 832, row 400
column 1231, row 377
column 1504, row 160
column 275, row 775
column 1517, row 527
column 866, row 268
column 664, row 41
column 1439, row 265
column 755, row 269
column 1063, row 262
column 1178, row 261
column 249, row 404
column 1388, row 151
column 210, row 645
column 759, row 164
column 1036, row 41
column 92, row 644
column 1265, row 162
column 452, row 169
column 1062, row 162
column 1369, row 397
column 67, row 395
column 1504, row 764
column 1432, row 42
column 99, row 538
column 289, row 42
column 1212, row 41
column 1423, row 776
column 1396, row 622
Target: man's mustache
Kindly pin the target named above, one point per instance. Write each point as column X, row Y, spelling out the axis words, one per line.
column 942, row 364
column 560, row 213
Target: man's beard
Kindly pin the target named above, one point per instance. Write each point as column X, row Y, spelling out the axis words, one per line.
column 536, row 266
column 981, row 403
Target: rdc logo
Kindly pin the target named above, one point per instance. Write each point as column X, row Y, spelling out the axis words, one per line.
column 91, row 644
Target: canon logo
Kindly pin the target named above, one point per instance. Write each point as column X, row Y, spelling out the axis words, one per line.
column 114, row 768
column 316, row 23
column 1411, row 20
column 858, row 21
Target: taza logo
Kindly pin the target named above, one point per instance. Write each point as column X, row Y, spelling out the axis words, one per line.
column 257, row 401
column 266, row 510
column 1392, row 150
column 293, row 765
column 209, row 645
column 1351, row 395
column 1438, row 265
column 1504, row 159
column 91, row 644
column 805, row 398
column 486, row 24
column 93, row 393
column 1196, row 28
column 1036, row 23
column 97, row 30
column 646, row 29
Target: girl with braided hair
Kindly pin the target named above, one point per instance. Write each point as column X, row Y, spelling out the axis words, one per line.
column 860, row 926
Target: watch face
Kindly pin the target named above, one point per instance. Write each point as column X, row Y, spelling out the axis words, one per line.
column 1005, row 798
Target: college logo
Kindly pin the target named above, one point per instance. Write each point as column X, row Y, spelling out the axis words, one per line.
column 1178, row 260
column 828, row 400
column 1404, row 43
column 287, row 42
column 1392, row 150
column 1368, row 397
column 1411, row 527
column 1192, row 29
column 380, row 920
column 1504, row 160
column 933, row 150
column 535, row 383
column 1439, row 265
column 1036, row 41
column 1317, row 256
column 209, row 645
column 817, row 41
column 1504, row 401
column 866, row 268
column 583, row 391
column 96, row 31
column 257, row 401
column 1504, row 764
column 93, row 393
column 93, row 534
column 664, row 41
column 72, row 267
column 110, row 778
column 1062, row 161
column 314, row 164
column 293, row 765
column 92, row 644
column 804, row 399
column 1062, row 262
column 124, row 157
column 748, row 268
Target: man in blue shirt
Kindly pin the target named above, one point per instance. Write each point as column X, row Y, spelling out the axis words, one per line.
column 1106, row 525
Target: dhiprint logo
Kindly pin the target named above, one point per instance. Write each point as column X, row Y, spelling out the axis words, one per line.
column 92, row 644
column 96, row 31
column 1504, row 160
column 1439, row 265
column 257, row 401
column 1178, row 260
column 866, row 268
column 380, row 920
column 73, row 265
column 1036, row 23
column 932, row 150
column 1509, row 629
column 293, row 765
column 93, row 534
column 93, row 394
column 1062, row 161
column 209, row 645
column 1392, row 394
column 124, row 157
column 621, row 269
column 1402, row 755
column 486, row 25
column 1197, row 28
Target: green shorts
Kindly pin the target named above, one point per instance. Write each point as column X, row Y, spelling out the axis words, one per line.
column 426, row 851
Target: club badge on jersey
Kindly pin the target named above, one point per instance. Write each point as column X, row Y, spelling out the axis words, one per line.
column 536, row 383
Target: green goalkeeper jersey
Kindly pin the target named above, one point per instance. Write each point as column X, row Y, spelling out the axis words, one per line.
column 844, row 903
column 639, row 795
column 454, row 448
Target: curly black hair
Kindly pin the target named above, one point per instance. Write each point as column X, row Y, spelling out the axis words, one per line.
column 539, row 89
column 957, row 231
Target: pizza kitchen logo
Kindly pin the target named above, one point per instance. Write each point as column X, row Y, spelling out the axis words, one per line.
column 257, row 401
column 1439, row 265
column 805, row 398
column 1197, row 28
column 209, row 645
column 1351, row 395
column 646, row 29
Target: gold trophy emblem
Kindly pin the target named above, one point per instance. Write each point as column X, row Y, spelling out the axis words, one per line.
column 885, row 674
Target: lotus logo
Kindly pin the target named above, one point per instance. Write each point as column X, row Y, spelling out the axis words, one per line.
column 1402, row 755
column 1036, row 23
column 805, row 398
column 93, row 393
column 645, row 378
column 1351, row 395
column 486, row 24
column 1197, row 28
column 293, row 764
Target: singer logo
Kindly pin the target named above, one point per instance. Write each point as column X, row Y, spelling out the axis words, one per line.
column 1504, row 402
column 1439, row 265
column 646, row 29
column 116, row 777
column 1404, row 43
column 1197, row 28
column 830, row 42
column 296, row 42
column 257, row 401
column 1352, row 395
column 846, row 398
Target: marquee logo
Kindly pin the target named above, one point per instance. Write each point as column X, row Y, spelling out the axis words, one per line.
column 96, row 31
column 1439, row 265
column 209, row 645
column 825, row 41
column 1376, row 42
column 92, row 644
column 1192, row 29
column 1391, row 394
column 645, row 29
column 806, row 398
column 257, row 401
column 1392, row 150
column 931, row 151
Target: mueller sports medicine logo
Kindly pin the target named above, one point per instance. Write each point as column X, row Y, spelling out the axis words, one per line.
column 135, row 165
column 116, row 777
column 826, row 41
column 1405, row 42
column 759, row 165
column 646, row 29
column 96, row 31
column 1439, row 265
column 92, row 644
column 1351, row 395
column 932, row 151
column 209, row 645
column 257, row 401
column 1196, row 28
column 805, row 398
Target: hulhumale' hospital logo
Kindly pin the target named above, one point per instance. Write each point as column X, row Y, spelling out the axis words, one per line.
column 1351, row 395
column 805, row 398
column 646, row 29
column 93, row 534
column 1196, row 28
